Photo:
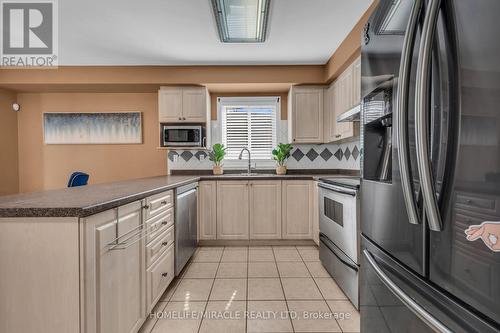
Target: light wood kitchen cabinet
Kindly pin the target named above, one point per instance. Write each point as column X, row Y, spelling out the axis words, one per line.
column 356, row 82
column 305, row 115
column 170, row 105
column 265, row 209
column 207, row 207
column 194, row 104
column 297, row 206
column 232, row 210
column 114, row 271
column 183, row 104
column 342, row 95
column 330, row 121
column 158, row 277
column 315, row 208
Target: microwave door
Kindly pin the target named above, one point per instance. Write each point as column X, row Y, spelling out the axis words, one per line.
column 182, row 136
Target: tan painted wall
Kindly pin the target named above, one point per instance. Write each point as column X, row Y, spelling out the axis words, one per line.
column 9, row 180
column 349, row 49
column 43, row 167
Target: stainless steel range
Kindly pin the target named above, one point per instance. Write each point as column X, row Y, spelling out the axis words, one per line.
column 339, row 236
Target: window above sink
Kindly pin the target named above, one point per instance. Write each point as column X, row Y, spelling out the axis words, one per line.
column 249, row 122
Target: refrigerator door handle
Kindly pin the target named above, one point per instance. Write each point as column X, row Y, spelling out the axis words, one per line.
column 429, row 319
column 422, row 116
column 402, row 109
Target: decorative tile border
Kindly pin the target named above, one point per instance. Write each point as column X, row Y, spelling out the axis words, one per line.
column 324, row 156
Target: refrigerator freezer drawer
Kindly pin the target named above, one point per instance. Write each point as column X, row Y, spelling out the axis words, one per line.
column 393, row 299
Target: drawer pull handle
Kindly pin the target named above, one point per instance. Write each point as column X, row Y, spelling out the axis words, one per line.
column 164, row 202
column 164, row 274
column 145, row 207
column 165, row 243
column 164, row 223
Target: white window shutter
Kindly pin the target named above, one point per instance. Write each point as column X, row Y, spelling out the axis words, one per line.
column 249, row 126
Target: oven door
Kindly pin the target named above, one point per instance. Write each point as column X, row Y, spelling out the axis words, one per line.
column 338, row 218
column 190, row 136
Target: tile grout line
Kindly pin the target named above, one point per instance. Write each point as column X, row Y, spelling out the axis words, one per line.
column 283, row 289
column 320, row 292
column 210, row 293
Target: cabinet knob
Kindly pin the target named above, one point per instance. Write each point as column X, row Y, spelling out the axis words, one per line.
column 164, row 274
column 180, row 118
column 165, row 243
column 145, row 207
column 184, row 118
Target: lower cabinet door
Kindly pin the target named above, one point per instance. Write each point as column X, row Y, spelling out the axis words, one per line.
column 297, row 222
column 159, row 276
column 265, row 209
column 232, row 210
column 114, row 288
column 207, row 205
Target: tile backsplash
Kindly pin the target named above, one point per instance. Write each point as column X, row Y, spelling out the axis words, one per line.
column 303, row 156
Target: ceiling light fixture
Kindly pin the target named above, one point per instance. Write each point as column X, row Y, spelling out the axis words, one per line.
column 241, row 21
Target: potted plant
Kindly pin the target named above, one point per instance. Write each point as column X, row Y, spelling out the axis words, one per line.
column 281, row 155
column 216, row 155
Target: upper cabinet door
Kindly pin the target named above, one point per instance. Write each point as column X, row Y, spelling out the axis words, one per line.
column 170, row 105
column 306, row 115
column 330, row 121
column 346, row 92
column 356, row 82
column 194, row 104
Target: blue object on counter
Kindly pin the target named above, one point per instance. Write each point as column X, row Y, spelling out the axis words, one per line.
column 78, row 179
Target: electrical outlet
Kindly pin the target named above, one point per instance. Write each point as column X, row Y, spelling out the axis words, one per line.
column 176, row 158
column 202, row 157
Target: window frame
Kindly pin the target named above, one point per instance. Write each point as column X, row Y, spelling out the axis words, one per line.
column 252, row 100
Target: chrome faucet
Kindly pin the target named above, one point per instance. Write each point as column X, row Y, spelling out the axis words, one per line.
column 249, row 170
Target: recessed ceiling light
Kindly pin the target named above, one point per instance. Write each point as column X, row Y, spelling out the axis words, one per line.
column 241, row 21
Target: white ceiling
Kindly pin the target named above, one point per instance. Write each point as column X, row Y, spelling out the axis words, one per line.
column 183, row 32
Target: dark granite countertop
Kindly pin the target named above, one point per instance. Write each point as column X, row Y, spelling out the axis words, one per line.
column 91, row 199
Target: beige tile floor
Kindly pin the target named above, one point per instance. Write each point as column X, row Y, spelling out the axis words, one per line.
column 253, row 289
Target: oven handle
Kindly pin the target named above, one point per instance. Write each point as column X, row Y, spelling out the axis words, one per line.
column 428, row 318
column 324, row 239
column 337, row 189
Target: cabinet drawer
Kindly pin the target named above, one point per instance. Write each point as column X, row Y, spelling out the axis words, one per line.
column 159, row 224
column 157, row 247
column 159, row 277
column 480, row 204
column 158, row 203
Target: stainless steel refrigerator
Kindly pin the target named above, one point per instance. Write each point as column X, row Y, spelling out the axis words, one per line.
column 430, row 191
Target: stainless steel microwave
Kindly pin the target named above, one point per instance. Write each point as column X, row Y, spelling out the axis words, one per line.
column 182, row 136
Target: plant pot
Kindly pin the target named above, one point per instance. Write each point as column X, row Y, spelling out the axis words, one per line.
column 217, row 169
column 281, row 170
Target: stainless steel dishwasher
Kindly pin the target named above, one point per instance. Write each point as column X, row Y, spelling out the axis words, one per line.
column 186, row 216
